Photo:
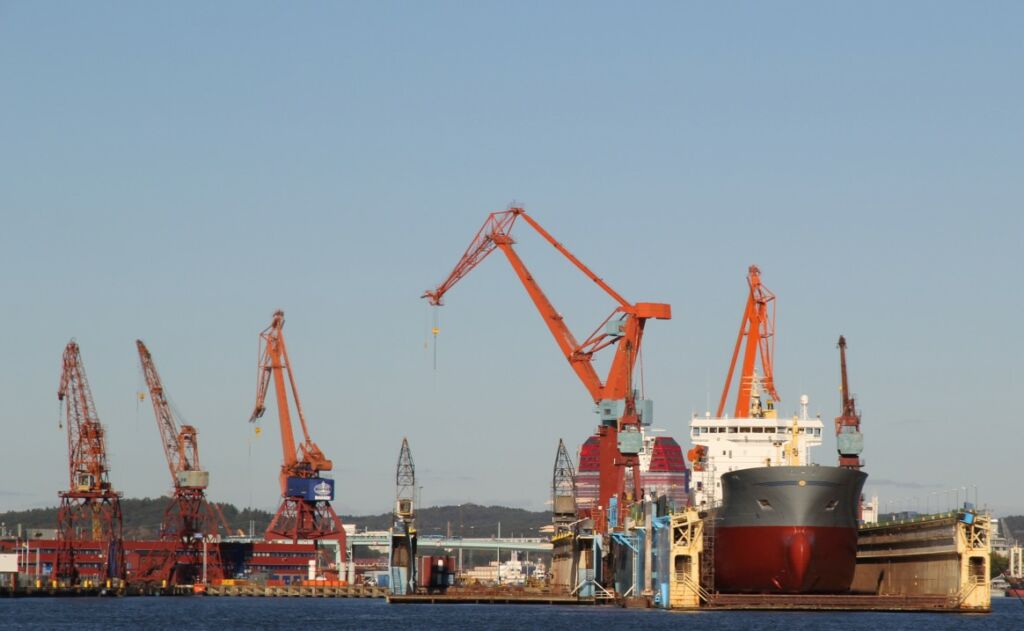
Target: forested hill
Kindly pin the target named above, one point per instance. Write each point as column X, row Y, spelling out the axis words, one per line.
column 142, row 519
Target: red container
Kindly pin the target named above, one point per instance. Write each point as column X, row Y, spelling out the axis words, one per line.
column 426, row 571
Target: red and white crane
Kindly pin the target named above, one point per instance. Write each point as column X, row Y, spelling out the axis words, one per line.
column 89, row 523
column 619, row 409
column 189, row 520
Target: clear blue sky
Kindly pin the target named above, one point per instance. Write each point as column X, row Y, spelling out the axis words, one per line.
column 178, row 171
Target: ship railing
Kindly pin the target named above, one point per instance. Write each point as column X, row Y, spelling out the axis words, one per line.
column 693, row 585
column 973, row 583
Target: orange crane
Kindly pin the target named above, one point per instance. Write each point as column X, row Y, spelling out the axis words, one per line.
column 620, row 411
column 758, row 327
column 90, row 510
column 189, row 519
column 305, row 511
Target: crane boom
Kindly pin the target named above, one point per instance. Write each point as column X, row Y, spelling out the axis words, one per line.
column 495, row 234
column 87, row 449
column 758, row 327
column 181, row 447
column 623, row 329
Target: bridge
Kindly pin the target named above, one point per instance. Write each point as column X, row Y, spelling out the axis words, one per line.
column 441, row 542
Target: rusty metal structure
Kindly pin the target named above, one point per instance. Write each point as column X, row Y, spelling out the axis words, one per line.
column 189, row 520
column 90, row 510
column 849, row 439
column 563, row 488
column 305, row 511
column 402, row 552
column 619, row 407
column 757, row 327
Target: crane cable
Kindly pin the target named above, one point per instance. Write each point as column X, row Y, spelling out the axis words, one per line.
column 434, row 329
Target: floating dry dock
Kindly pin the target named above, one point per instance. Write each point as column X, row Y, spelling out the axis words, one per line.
column 489, row 599
column 932, row 563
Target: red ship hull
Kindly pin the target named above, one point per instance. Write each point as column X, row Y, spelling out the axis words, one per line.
column 785, row 559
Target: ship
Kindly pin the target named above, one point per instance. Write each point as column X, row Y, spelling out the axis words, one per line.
column 777, row 523
column 663, row 471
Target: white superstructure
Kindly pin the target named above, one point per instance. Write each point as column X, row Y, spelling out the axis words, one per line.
column 761, row 440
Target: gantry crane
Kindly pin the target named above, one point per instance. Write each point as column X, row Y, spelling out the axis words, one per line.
column 620, row 411
column 758, row 327
column 90, row 510
column 305, row 511
column 189, row 520
column 849, row 439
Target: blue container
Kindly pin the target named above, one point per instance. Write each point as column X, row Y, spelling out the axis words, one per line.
column 311, row 489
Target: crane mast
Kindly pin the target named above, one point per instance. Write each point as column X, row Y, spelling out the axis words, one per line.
column 757, row 328
column 621, row 413
column 189, row 518
column 305, row 511
column 90, row 510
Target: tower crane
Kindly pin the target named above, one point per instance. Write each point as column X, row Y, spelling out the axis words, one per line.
column 189, row 518
column 849, row 439
column 620, row 411
column 90, row 510
column 758, row 327
column 403, row 534
column 563, row 489
column 305, row 511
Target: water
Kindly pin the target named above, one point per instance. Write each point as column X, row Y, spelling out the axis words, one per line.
column 222, row 614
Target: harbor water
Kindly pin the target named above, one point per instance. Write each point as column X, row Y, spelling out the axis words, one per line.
column 217, row 614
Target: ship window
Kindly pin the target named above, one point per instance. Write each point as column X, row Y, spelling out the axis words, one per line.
column 732, row 430
column 758, row 430
column 817, row 431
column 744, row 430
column 831, row 504
column 765, row 504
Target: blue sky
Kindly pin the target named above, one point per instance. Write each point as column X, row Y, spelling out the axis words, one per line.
column 177, row 172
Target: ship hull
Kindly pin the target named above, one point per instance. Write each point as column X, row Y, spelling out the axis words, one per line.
column 787, row 530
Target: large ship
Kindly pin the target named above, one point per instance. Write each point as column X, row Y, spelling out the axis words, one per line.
column 780, row 524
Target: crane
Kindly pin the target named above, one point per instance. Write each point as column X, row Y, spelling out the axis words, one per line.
column 849, row 440
column 189, row 518
column 305, row 511
column 403, row 534
column 563, row 489
column 758, row 327
column 621, row 413
column 90, row 510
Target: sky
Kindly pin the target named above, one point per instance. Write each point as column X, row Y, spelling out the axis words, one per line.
column 176, row 172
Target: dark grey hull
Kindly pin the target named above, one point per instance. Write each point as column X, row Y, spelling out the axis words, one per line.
column 791, row 496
